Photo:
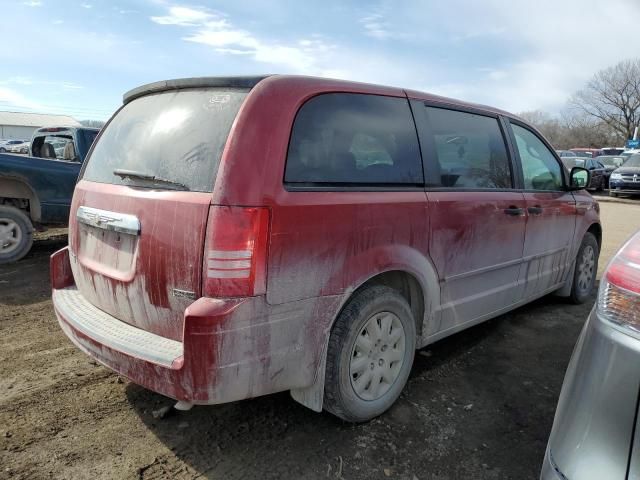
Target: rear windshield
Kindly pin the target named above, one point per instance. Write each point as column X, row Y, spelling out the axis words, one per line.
column 176, row 137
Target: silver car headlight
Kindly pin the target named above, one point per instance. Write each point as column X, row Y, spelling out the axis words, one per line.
column 619, row 293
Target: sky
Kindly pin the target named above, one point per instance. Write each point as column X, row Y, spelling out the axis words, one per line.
column 80, row 57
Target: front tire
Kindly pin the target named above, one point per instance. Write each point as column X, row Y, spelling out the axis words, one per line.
column 370, row 354
column 584, row 275
column 16, row 234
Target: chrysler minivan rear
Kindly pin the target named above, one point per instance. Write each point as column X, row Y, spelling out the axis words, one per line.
column 145, row 243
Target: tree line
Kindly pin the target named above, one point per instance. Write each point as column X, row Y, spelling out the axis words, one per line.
column 603, row 113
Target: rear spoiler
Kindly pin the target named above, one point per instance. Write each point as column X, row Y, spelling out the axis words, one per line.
column 196, row 82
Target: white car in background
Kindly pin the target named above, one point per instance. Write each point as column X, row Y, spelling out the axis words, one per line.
column 7, row 145
column 19, row 148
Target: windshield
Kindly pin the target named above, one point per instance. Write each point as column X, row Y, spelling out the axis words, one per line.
column 582, row 153
column 571, row 162
column 611, row 161
column 633, row 161
column 177, row 136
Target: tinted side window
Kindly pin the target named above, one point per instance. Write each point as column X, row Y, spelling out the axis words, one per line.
column 470, row 150
column 540, row 168
column 345, row 138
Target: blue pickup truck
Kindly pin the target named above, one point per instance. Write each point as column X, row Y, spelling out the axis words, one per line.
column 36, row 190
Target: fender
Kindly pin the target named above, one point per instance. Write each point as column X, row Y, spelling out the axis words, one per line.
column 587, row 218
column 384, row 259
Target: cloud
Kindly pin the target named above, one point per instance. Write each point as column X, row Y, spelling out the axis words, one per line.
column 375, row 26
column 33, row 3
column 86, row 5
column 184, row 17
column 13, row 98
column 28, row 81
column 214, row 30
column 514, row 56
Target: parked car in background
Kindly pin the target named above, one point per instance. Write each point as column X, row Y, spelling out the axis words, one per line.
column 22, row 148
column 566, row 153
column 615, row 151
column 595, row 433
column 6, row 145
column 610, row 162
column 598, row 172
column 304, row 249
column 587, row 152
column 37, row 190
column 628, row 153
column 626, row 179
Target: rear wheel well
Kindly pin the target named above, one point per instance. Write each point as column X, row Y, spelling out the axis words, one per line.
column 596, row 230
column 18, row 194
column 408, row 286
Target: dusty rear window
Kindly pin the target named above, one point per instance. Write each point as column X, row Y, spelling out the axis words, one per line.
column 175, row 136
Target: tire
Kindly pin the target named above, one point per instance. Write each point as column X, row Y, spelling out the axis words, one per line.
column 362, row 318
column 612, row 194
column 16, row 234
column 586, row 269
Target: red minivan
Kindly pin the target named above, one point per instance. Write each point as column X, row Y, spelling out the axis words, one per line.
column 235, row 237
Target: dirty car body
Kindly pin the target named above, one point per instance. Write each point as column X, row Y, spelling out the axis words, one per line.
column 217, row 257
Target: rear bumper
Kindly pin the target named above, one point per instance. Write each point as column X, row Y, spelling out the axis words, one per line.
column 593, row 427
column 231, row 349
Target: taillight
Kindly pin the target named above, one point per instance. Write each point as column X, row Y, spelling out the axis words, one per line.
column 235, row 254
column 619, row 295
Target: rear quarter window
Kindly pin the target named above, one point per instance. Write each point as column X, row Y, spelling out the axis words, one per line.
column 354, row 139
column 178, row 136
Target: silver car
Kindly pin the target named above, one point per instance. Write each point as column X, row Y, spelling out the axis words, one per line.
column 596, row 432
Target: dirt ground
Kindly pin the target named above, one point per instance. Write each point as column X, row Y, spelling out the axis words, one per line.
column 479, row 404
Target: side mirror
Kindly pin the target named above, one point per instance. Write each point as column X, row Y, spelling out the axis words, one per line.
column 579, row 178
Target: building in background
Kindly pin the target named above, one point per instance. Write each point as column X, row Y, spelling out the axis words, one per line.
column 20, row 126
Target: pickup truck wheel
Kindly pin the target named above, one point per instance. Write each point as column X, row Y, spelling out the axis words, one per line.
column 584, row 275
column 370, row 354
column 16, row 234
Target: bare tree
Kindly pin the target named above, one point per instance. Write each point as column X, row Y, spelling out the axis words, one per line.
column 613, row 97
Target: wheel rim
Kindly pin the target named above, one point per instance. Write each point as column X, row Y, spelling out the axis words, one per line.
column 10, row 235
column 586, row 269
column 377, row 356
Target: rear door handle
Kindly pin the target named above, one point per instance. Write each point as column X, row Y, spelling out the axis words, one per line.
column 537, row 210
column 514, row 211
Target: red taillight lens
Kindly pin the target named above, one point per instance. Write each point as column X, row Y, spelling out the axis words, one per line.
column 619, row 295
column 235, row 254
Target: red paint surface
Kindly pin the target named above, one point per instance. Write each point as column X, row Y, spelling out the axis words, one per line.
column 322, row 246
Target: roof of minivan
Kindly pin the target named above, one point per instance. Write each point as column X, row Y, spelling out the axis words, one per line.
column 333, row 84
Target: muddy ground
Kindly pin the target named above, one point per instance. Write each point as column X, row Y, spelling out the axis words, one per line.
column 479, row 404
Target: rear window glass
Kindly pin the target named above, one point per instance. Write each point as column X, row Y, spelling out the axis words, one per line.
column 176, row 136
column 345, row 138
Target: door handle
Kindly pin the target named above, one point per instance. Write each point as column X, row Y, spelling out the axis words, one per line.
column 537, row 210
column 514, row 211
